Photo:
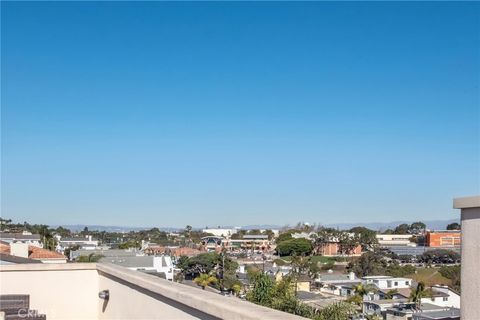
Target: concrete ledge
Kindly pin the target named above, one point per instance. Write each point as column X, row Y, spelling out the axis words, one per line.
column 466, row 202
column 48, row 267
column 207, row 302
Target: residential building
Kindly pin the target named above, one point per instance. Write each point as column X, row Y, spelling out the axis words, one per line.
column 388, row 282
column 450, row 314
column 380, row 307
column 132, row 252
column 7, row 259
column 407, row 311
column 23, row 237
column 337, row 284
column 162, row 265
column 85, row 243
column 470, row 244
column 443, row 296
column 26, row 251
column 394, row 240
column 106, row 291
column 443, row 238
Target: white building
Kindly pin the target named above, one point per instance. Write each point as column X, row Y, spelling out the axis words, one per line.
column 387, row 240
column 443, row 296
column 388, row 282
column 147, row 264
column 84, row 243
column 24, row 237
column 220, row 232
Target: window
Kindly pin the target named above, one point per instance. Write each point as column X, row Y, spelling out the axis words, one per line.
column 445, row 298
column 395, row 284
column 407, row 283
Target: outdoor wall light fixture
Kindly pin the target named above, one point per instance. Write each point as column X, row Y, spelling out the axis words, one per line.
column 104, row 294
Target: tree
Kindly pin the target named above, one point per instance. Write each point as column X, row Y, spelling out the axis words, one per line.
column 284, row 236
column 295, row 247
column 336, row 311
column 402, row 229
column 236, row 288
column 452, row 273
column 90, row 258
column 453, row 226
column 263, row 289
column 370, row 263
column 367, row 237
column 348, row 242
column 417, row 227
column 419, row 293
column 439, row 256
column 204, row 280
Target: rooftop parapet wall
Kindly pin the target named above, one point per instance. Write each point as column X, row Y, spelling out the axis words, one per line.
column 70, row 291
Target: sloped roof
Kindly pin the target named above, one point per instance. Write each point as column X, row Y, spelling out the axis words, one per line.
column 34, row 252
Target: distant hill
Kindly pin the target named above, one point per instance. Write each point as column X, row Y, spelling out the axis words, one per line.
column 379, row 226
column 432, row 224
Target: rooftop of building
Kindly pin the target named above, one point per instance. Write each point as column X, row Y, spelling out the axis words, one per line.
column 132, row 294
column 19, row 236
column 34, row 252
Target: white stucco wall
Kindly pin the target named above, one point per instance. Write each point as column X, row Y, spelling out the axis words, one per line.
column 60, row 294
column 470, row 218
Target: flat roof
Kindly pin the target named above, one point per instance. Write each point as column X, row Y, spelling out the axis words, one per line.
column 466, row 202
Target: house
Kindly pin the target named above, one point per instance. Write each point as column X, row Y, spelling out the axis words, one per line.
column 338, row 284
column 410, row 311
column 379, row 307
column 85, row 243
column 443, row 296
column 149, row 264
column 26, row 251
column 24, row 237
column 8, row 259
column 450, row 314
column 388, row 282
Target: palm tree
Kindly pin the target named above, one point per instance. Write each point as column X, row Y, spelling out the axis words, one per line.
column 419, row 293
column 204, row 280
column 362, row 290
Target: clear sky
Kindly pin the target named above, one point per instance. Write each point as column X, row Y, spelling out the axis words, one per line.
column 167, row 114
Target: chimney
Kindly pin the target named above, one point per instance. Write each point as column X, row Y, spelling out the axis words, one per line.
column 19, row 249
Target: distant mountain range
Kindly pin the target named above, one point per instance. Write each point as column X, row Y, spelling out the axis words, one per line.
column 379, row 226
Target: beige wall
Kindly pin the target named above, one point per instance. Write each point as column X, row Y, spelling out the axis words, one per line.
column 60, row 294
column 470, row 218
column 130, row 303
column 70, row 291
column 470, row 299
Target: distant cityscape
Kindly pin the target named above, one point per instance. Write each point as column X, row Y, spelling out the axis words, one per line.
column 310, row 270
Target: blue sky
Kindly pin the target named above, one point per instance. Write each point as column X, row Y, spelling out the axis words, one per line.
column 167, row 114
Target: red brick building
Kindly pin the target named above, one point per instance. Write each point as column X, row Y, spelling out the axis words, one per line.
column 442, row 239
